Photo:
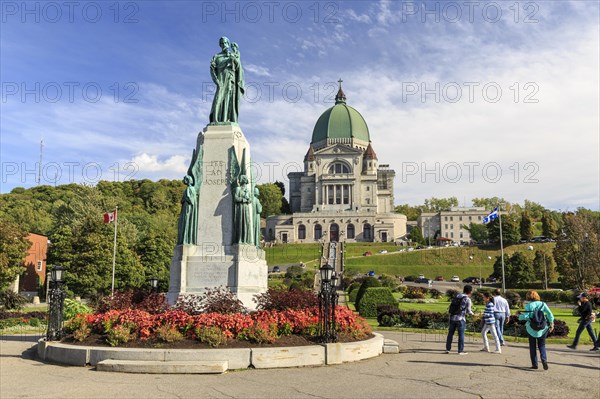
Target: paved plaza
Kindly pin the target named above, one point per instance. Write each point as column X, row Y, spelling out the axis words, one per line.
column 421, row 370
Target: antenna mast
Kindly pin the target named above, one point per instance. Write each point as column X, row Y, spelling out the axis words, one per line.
column 39, row 178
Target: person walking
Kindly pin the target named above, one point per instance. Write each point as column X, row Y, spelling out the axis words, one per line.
column 585, row 321
column 489, row 323
column 501, row 314
column 537, row 336
column 457, row 319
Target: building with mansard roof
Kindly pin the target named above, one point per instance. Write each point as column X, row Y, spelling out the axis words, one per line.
column 344, row 193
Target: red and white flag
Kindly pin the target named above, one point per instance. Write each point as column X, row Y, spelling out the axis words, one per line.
column 110, row 217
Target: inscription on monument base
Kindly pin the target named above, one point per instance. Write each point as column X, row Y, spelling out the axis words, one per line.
column 201, row 275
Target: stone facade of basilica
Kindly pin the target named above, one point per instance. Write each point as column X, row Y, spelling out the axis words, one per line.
column 344, row 193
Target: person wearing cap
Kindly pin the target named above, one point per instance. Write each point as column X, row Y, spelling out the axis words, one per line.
column 585, row 321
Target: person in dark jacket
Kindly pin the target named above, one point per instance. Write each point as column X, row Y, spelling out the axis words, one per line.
column 585, row 321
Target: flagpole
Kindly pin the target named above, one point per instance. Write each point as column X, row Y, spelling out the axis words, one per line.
column 112, row 289
column 501, row 249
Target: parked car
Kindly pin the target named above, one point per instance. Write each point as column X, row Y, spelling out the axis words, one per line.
column 472, row 280
column 439, row 278
column 368, row 253
column 421, row 276
column 276, row 269
column 371, row 273
column 455, row 279
column 423, row 280
column 383, row 251
column 595, row 290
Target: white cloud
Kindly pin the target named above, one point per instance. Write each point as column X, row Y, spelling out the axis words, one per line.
column 257, row 70
column 150, row 165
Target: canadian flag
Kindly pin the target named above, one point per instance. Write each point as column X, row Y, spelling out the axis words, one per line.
column 110, row 217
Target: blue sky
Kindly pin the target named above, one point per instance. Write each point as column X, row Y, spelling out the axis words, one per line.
column 462, row 99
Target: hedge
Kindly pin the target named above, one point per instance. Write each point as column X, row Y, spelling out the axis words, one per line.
column 368, row 283
column 373, row 297
column 388, row 316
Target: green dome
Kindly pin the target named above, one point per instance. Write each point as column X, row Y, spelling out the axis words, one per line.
column 340, row 121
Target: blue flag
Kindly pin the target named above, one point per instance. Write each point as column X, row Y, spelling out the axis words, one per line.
column 493, row 215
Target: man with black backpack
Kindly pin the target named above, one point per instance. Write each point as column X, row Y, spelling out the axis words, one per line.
column 459, row 308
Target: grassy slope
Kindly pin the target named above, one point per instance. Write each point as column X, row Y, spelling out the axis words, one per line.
column 433, row 262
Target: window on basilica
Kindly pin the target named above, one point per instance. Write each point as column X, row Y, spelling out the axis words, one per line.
column 338, row 167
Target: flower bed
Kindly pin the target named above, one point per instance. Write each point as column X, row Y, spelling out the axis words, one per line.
column 134, row 327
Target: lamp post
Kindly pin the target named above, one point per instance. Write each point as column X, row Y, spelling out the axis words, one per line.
column 327, row 302
column 154, row 284
column 57, row 297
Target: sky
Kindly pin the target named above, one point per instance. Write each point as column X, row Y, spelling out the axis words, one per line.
column 462, row 99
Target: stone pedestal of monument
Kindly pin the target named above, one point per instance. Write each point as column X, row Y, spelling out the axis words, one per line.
column 214, row 261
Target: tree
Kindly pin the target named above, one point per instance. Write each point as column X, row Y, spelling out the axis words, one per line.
column 577, row 252
column 549, row 226
column 411, row 212
column 544, row 266
column 416, row 236
column 526, row 226
column 440, row 204
column 13, row 249
column 518, row 270
column 534, row 209
column 285, row 205
column 270, row 198
column 491, row 203
column 510, row 230
column 478, row 231
column 83, row 244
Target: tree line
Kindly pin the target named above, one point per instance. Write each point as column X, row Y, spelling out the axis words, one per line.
column 71, row 216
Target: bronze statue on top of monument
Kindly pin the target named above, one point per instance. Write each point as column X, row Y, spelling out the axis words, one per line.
column 227, row 73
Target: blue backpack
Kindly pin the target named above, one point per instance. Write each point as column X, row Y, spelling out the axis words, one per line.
column 538, row 319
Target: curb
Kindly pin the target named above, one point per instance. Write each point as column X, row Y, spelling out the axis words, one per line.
column 170, row 360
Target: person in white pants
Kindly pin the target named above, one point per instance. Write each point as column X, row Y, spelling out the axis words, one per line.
column 489, row 323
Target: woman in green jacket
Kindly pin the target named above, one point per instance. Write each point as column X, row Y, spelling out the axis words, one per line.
column 537, row 337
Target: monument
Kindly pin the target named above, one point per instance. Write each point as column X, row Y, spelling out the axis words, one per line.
column 218, row 240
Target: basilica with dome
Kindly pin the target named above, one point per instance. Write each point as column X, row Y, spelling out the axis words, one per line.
column 344, row 193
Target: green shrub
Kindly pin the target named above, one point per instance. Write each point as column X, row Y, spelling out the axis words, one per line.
column 34, row 322
column 72, row 308
column 10, row 300
column 373, row 297
column 435, row 294
column 119, row 335
column 82, row 332
column 451, row 293
column 10, row 322
column 212, row 336
column 168, row 333
column 415, row 293
column 294, row 272
column 368, row 283
column 402, row 289
column 354, row 286
column 514, row 299
column 389, row 281
column 352, row 296
column 477, row 298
